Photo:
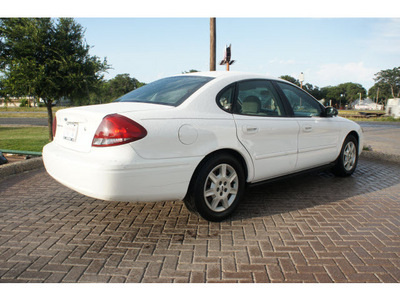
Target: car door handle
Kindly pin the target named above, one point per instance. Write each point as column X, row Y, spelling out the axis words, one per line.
column 250, row 129
column 307, row 128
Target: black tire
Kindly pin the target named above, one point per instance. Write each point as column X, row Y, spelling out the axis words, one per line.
column 216, row 188
column 346, row 163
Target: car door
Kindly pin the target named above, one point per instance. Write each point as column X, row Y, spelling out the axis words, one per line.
column 318, row 136
column 265, row 129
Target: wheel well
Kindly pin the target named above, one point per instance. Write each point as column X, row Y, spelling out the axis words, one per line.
column 355, row 134
column 232, row 152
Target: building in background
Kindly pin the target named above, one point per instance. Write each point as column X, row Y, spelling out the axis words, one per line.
column 393, row 107
column 366, row 104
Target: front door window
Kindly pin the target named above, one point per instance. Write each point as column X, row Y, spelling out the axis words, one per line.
column 303, row 105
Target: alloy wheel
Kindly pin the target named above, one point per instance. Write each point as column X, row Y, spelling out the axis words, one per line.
column 221, row 187
column 349, row 156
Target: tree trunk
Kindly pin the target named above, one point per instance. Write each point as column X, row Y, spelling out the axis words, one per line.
column 49, row 117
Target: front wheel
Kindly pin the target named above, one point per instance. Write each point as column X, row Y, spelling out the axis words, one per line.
column 348, row 158
column 216, row 188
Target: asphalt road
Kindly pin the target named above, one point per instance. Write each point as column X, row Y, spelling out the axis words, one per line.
column 380, row 124
column 24, row 121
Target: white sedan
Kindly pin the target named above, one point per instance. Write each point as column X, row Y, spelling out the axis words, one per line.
column 200, row 138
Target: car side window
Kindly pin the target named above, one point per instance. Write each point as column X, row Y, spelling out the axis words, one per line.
column 258, row 98
column 303, row 105
column 225, row 98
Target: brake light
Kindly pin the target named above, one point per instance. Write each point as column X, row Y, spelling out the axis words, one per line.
column 117, row 130
column 54, row 127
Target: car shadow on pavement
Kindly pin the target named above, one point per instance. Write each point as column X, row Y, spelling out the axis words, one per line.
column 314, row 189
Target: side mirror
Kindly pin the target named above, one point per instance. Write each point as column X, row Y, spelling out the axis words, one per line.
column 330, row 112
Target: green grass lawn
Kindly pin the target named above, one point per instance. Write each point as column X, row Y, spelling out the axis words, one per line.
column 344, row 113
column 23, row 138
column 23, row 109
column 380, row 119
column 348, row 114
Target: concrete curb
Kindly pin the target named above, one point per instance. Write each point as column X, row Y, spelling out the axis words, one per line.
column 393, row 158
column 20, row 166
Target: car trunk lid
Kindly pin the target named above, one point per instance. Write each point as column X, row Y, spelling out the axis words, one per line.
column 76, row 127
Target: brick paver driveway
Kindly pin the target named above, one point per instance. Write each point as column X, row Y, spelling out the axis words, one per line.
column 316, row 228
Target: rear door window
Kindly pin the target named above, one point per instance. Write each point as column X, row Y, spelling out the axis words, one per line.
column 258, row 98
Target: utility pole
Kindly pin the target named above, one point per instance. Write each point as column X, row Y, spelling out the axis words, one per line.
column 213, row 44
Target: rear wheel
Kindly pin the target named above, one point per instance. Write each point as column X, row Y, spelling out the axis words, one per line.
column 216, row 188
column 348, row 158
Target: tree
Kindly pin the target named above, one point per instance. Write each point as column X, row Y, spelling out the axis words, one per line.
column 314, row 91
column 109, row 90
column 390, row 77
column 344, row 93
column 331, row 93
column 122, row 84
column 3, row 93
column 2, row 88
column 339, row 95
column 290, row 79
column 351, row 91
column 382, row 91
column 190, row 71
column 48, row 59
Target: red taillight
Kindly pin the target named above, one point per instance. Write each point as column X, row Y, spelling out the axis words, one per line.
column 54, row 127
column 117, row 130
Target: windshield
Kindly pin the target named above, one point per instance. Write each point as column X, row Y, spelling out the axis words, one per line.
column 169, row 91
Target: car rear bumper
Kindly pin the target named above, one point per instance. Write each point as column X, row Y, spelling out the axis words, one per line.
column 119, row 173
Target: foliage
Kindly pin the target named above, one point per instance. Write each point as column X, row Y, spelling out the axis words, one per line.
column 312, row 90
column 391, row 78
column 109, row 90
column 2, row 87
column 384, row 92
column 47, row 59
column 290, row 79
column 388, row 82
column 344, row 93
column 190, row 71
column 24, row 103
column 3, row 92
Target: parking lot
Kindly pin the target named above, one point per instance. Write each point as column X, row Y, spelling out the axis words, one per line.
column 314, row 228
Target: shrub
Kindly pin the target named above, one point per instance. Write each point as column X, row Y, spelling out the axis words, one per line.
column 24, row 103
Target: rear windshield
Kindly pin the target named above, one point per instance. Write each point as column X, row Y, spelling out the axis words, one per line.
column 169, row 91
